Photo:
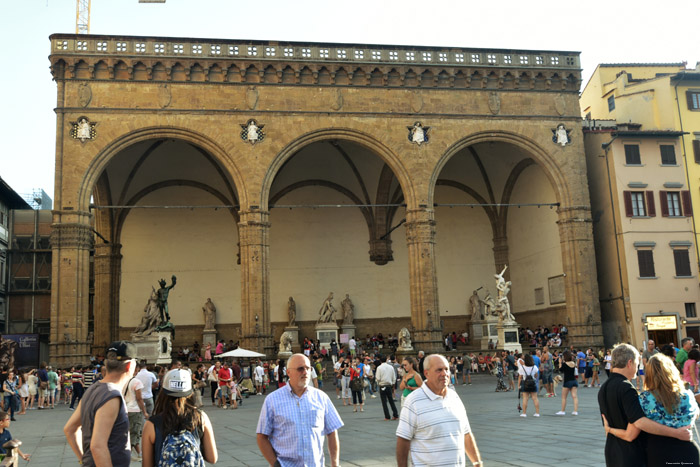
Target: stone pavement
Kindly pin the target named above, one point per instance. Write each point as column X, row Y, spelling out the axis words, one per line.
column 504, row 438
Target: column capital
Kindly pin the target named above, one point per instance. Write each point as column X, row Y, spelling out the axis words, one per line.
column 71, row 235
column 420, row 226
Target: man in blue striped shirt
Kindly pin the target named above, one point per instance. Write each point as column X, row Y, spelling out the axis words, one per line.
column 295, row 418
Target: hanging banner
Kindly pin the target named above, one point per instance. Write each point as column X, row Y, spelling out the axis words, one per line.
column 19, row 350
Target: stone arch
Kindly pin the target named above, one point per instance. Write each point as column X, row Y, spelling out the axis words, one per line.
column 535, row 151
column 347, row 134
column 100, row 162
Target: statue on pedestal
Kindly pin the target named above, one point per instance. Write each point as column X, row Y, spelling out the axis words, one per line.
column 209, row 314
column 503, row 305
column 327, row 310
column 163, row 299
column 475, row 307
column 405, row 339
column 348, row 310
column 151, row 318
column 489, row 305
column 292, row 312
column 286, row 341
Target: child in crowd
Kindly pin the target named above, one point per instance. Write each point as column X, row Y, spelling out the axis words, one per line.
column 5, row 435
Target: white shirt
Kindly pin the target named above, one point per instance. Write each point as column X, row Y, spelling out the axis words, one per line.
column 131, row 405
column 259, row 373
column 435, row 426
column 147, row 379
column 352, row 344
column 385, row 375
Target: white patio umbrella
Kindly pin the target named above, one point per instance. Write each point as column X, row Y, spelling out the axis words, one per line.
column 240, row 353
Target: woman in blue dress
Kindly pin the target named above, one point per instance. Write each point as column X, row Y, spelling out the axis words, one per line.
column 665, row 400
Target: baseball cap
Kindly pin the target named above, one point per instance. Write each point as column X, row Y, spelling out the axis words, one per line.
column 125, row 350
column 178, row 383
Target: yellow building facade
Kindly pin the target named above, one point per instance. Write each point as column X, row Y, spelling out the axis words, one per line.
column 642, row 139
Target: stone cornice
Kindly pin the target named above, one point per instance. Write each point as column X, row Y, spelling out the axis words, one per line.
column 267, row 62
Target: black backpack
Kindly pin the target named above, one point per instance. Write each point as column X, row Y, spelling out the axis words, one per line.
column 529, row 385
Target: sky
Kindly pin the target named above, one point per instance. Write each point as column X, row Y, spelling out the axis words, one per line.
column 611, row 31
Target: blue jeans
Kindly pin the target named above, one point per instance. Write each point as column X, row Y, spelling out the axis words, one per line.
column 369, row 385
column 10, row 406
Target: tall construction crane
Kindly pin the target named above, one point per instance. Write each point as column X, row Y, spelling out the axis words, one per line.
column 82, row 14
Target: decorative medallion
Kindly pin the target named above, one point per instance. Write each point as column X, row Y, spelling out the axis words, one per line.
column 417, row 133
column 83, row 129
column 84, row 94
column 165, row 96
column 337, row 100
column 494, row 102
column 251, row 98
column 252, row 132
column 560, row 135
column 417, row 102
column 560, row 104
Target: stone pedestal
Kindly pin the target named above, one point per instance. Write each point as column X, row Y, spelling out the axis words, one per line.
column 325, row 333
column 209, row 337
column 483, row 331
column 508, row 336
column 294, row 331
column 155, row 348
column 402, row 352
column 284, row 356
column 349, row 329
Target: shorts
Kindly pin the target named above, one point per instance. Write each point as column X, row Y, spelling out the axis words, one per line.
column 570, row 384
column 640, row 372
column 547, row 377
column 224, row 391
column 44, row 392
column 135, row 427
column 589, row 372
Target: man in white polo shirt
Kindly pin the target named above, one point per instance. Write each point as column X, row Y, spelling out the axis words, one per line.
column 434, row 427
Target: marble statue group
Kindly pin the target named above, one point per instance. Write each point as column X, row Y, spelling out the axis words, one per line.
column 481, row 309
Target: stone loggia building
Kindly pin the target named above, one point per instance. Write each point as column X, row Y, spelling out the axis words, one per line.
column 159, row 172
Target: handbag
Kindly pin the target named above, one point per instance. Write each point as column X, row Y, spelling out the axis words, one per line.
column 356, row 384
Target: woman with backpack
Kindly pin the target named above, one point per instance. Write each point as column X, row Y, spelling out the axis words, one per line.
column 178, row 433
column 527, row 380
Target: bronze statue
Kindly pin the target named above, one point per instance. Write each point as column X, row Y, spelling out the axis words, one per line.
column 163, row 299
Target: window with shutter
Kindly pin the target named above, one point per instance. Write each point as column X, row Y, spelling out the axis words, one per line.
column 663, row 203
column 646, row 263
column 668, row 154
column 627, row 196
column 696, row 150
column 638, row 207
column 651, row 207
column 693, row 100
column 673, row 203
column 682, row 261
column 687, row 205
column 632, row 156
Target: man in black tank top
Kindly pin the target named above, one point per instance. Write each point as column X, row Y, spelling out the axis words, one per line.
column 102, row 413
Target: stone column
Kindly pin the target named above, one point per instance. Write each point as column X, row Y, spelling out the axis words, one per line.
column 106, row 317
column 500, row 254
column 253, row 232
column 578, row 260
column 425, row 315
column 71, row 241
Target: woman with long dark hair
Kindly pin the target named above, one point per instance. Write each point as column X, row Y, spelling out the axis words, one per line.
column 411, row 379
column 175, row 420
column 570, row 385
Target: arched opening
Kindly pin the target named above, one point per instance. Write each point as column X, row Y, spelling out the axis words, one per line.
column 511, row 219
column 333, row 203
column 164, row 206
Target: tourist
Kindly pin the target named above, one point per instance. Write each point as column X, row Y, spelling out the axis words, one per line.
column 369, row 377
column 207, row 352
column 136, row 411
column 5, row 435
column 467, row 369
column 411, row 380
column 43, row 385
column 567, row 365
column 213, row 379
column 344, row 371
column 53, row 387
column 607, row 359
column 224, row 390
column 421, row 359
column 581, row 363
column 547, row 371
column 691, row 369
column 176, row 425
column 596, row 372
column 682, row 354
column 500, row 373
column 149, row 381
column 527, row 382
column 11, row 390
column 357, row 385
column 665, row 407
column 78, row 387
column 259, row 375
column 102, row 413
column 23, row 393
column 386, row 377
column 284, row 435
column 434, row 428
